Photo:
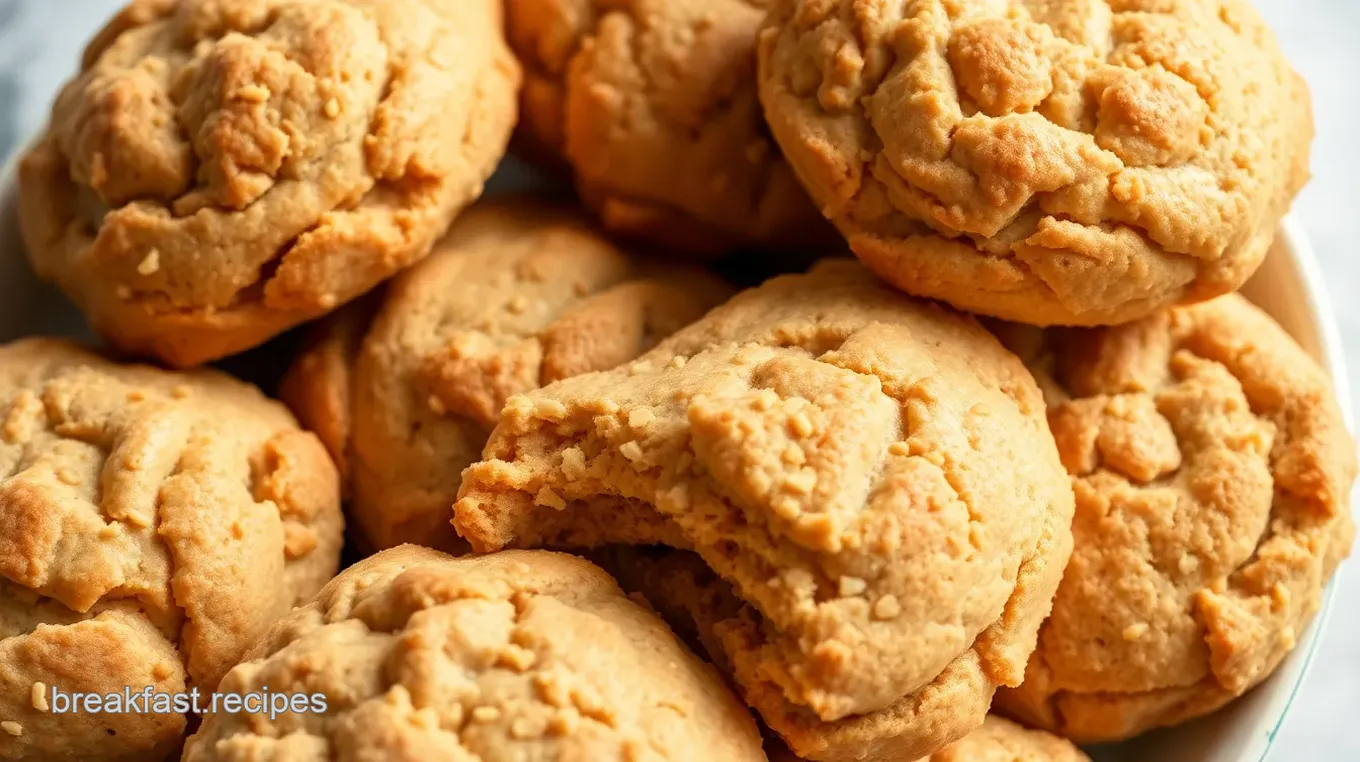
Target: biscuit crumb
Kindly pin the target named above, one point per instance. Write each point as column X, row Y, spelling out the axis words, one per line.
column 631, row 451
column 765, row 399
column 150, row 264
column 517, row 305
column 852, row 586
column 516, row 657
column 1288, row 638
column 787, row 508
column 332, row 108
column 1280, row 594
column 678, row 361
column 1187, row 564
column 677, row 497
column 547, row 497
column 486, row 714
column 640, row 417
column 802, row 481
column 436, row 405
column 38, row 696
column 801, row 425
column 900, row 449
column 564, row 722
column 525, row 728
column 181, row 391
column 887, row 607
column 551, row 689
column 573, row 463
column 12, row 727
column 253, row 93
column 1135, row 631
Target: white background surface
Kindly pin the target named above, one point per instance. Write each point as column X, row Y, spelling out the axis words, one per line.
column 41, row 40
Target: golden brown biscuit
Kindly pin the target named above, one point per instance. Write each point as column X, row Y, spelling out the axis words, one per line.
column 1073, row 162
column 219, row 172
column 518, row 655
column 871, row 473
column 520, row 294
column 653, row 104
column 1212, row 473
column 152, row 525
column 998, row 740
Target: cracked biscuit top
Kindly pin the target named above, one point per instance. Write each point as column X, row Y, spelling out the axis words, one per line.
column 653, row 105
column 219, row 172
column 871, row 473
column 1212, row 472
column 517, row 655
column 1072, row 162
column 405, row 389
column 152, row 525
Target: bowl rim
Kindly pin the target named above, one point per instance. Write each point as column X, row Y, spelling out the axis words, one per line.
column 1292, row 238
column 1300, row 250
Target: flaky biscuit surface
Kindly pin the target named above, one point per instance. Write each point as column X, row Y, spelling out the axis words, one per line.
column 516, row 655
column 405, row 390
column 1212, row 472
column 1074, row 162
column 219, row 172
column 871, row 473
column 152, row 525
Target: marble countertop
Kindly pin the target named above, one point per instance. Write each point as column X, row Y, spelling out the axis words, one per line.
column 41, row 40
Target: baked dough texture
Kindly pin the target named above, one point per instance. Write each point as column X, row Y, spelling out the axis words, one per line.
column 872, row 474
column 1070, row 162
column 652, row 104
column 1212, row 472
column 520, row 655
column 219, row 172
column 998, row 740
column 404, row 390
column 152, row 525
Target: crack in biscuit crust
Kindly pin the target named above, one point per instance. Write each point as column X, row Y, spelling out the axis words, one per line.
column 821, row 442
column 407, row 387
column 218, row 172
column 1212, row 472
column 1076, row 162
column 154, row 524
column 520, row 655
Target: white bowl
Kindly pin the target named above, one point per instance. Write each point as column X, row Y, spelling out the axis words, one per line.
column 1289, row 286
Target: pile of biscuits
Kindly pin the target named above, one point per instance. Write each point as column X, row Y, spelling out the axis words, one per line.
column 831, row 517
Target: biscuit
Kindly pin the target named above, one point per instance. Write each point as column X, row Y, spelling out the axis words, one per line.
column 1212, row 472
column 517, row 655
column 653, row 105
column 220, row 172
column 871, row 473
column 152, row 525
column 521, row 293
column 1068, row 162
column 998, row 740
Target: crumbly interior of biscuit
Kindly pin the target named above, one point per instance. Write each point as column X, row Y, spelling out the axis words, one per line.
column 653, row 103
column 213, row 156
column 1090, row 153
column 154, row 524
column 520, row 655
column 1211, row 471
column 820, row 444
column 518, row 295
